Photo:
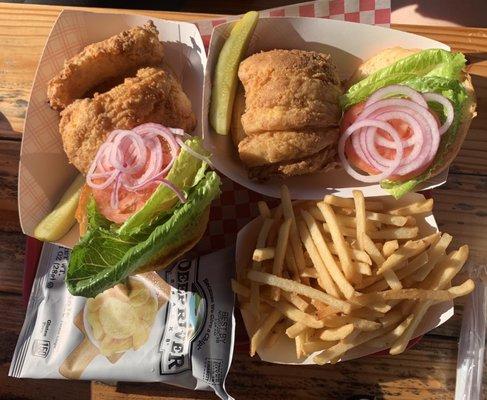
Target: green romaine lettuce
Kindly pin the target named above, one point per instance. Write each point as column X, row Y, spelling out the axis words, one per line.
column 433, row 62
column 433, row 70
column 103, row 258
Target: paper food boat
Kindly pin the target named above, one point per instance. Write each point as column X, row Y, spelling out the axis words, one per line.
column 44, row 171
column 349, row 44
column 284, row 350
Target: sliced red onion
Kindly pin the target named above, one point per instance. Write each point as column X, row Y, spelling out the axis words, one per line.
column 133, row 159
column 395, row 90
column 447, row 108
column 365, row 124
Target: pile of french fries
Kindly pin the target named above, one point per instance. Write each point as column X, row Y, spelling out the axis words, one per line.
column 340, row 273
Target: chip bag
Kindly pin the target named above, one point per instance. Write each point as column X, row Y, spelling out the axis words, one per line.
column 174, row 326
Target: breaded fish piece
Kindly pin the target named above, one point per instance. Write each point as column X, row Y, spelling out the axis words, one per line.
column 283, row 146
column 324, row 160
column 115, row 57
column 289, row 90
column 154, row 95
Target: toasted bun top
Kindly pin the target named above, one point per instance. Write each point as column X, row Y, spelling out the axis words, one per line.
column 393, row 54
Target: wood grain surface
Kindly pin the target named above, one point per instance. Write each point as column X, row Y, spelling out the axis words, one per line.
column 425, row 372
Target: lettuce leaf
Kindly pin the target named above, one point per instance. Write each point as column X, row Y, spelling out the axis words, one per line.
column 456, row 93
column 433, row 62
column 186, row 172
column 103, row 258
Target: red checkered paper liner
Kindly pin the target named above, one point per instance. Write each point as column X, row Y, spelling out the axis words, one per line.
column 238, row 205
column 372, row 12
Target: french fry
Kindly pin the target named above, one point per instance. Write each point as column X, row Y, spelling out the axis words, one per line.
column 297, row 301
column 364, row 268
column 349, row 268
column 310, row 273
column 435, row 253
column 355, row 339
column 287, row 208
column 395, row 233
column 323, row 274
column 356, row 254
column 295, row 329
column 277, row 218
column 254, row 288
column 333, row 334
column 263, row 253
column 389, row 338
column 328, row 261
column 240, row 289
column 264, row 210
column 299, row 288
column 335, row 321
column 263, row 330
column 296, row 315
column 359, row 201
column 438, row 279
column 300, row 340
column 275, row 334
column 389, row 247
column 372, row 250
column 418, row 207
column 290, row 263
column 410, row 249
column 410, row 221
column 386, row 219
column 370, row 205
column 281, row 246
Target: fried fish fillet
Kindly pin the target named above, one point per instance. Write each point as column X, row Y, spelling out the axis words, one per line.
column 154, row 95
column 290, row 122
column 115, row 57
column 289, row 90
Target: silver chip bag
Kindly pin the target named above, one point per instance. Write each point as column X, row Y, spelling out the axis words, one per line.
column 175, row 326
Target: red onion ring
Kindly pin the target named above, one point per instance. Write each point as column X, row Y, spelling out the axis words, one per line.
column 447, row 108
column 370, row 123
column 394, row 90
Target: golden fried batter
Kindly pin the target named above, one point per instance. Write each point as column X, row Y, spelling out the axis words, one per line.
column 153, row 95
column 115, row 57
column 289, row 90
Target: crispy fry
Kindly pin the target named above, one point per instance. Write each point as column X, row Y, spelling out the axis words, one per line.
column 299, row 288
column 295, row 329
column 386, row 219
column 263, row 330
column 310, row 273
column 318, row 345
column 395, row 233
column 287, row 208
column 435, row 253
column 282, row 240
column 254, row 287
column 275, row 334
column 328, row 260
column 335, row 321
column 291, row 266
column 277, row 218
column 356, row 254
column 364, row 268
column 410, row 249
column 297, row 301
column 390, row 247
column 240, row 289
column 418, row 207
column 264, row 210
column 263, row 253
column 370, row 205
column 349, row 268
column 333, row 334
column 359, row 201
column 296, row 315
column 324, row 277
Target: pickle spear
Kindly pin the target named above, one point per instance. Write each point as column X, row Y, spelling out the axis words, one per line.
column 60, row 220
column 225, row 76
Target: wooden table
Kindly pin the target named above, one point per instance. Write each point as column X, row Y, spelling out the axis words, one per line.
column 425, row 372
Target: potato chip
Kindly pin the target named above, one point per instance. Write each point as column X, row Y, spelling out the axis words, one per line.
column 117, row 318
column 94, row 321
column 110, row 346
column 141, row 335
column 94, row 305
column 120, row 292
column 147, row 312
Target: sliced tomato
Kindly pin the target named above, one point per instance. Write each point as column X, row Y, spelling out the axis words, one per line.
column 404, row 132
column 129, row 201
